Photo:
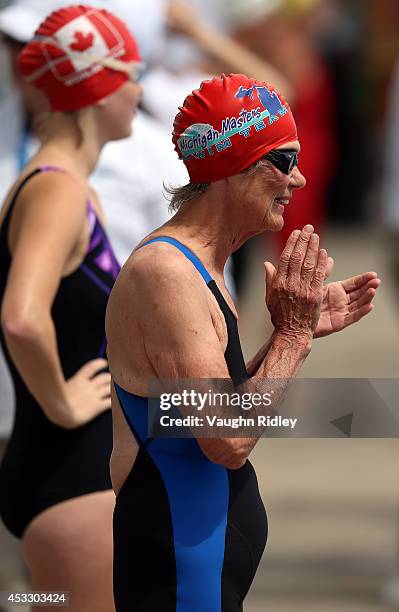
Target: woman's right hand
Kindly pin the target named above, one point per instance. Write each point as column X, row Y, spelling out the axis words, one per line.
column 294, row 291
column 88, row 393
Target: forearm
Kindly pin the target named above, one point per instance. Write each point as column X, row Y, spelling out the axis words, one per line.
column 275, row 366
column 275, row 340
column 254, row 364
column 280, row 361
column 33, row 347
column 294, row 294
column 239, row 59
column 284, row 357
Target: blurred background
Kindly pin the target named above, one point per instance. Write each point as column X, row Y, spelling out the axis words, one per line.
column 333, row 504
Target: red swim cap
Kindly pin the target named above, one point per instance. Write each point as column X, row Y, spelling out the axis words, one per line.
column 229, row 123
column 78, row 56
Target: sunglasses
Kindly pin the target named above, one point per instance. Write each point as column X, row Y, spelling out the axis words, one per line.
column 284, row 160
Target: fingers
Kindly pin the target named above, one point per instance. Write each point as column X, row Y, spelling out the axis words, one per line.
column 286, row 254
column 105, row 403
column 270, row 271
column 302, row 262
column 362, row 306
column 92, row 367
column 308, row 263
column 355, row 282
column 103, row 391
column 366, row 298
column 374, row 283
column 329, row 268
column 102, row 386
column 358, row 314
column 298, row 241
column 305, row 241
column 320, row 271
column 104, row 378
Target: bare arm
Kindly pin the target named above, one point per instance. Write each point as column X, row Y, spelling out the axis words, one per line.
column 185, row 19
column 45, row 229
column 181, row 341
column 254, row 364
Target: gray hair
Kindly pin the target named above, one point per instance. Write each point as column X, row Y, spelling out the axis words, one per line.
column 181, row 195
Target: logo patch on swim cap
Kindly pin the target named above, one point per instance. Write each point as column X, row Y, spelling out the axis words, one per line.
column 85, row 40
column 82, row 41
column 201, row 137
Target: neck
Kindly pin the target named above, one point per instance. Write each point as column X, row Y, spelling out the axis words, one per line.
column 207, row 225
column 71, row 140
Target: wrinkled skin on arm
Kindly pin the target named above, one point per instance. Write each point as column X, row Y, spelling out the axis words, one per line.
column 176, row 315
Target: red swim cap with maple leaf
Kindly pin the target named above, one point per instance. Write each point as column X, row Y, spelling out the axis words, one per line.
column 78, row 56
column 228, row 124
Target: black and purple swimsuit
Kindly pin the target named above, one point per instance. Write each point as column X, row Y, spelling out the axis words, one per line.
column 45, row 464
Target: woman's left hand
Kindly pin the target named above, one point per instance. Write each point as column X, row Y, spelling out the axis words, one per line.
column 346, row 302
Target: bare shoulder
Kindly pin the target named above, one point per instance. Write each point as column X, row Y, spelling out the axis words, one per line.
column 50, row 213
column 160, row 267
column 61, row 186
column 156, row 279
column 51, row 197
column 46, row 190
column 161, row 301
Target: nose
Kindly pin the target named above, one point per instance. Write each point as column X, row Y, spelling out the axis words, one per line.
column 297, row 181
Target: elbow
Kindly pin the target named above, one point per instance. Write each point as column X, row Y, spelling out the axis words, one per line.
column 231, row 453
column 235, row 463
column 17, row 325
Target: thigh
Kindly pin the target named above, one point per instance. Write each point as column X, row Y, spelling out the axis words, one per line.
column 68, row 547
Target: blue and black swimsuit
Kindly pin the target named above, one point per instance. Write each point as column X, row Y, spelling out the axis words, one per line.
column 188, row 533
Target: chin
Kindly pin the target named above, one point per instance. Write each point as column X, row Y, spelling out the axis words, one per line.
column 275, row 223
column 123, row 133
column 128, row 131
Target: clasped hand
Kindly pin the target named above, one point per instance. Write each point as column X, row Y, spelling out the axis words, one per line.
column 299, row 301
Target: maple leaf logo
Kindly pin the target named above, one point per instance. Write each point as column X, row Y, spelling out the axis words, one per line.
column 82, row 42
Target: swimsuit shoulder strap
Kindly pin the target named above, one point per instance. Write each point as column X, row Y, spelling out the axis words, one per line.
column 186, row 251
column 233, row 354
column 20, row 187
